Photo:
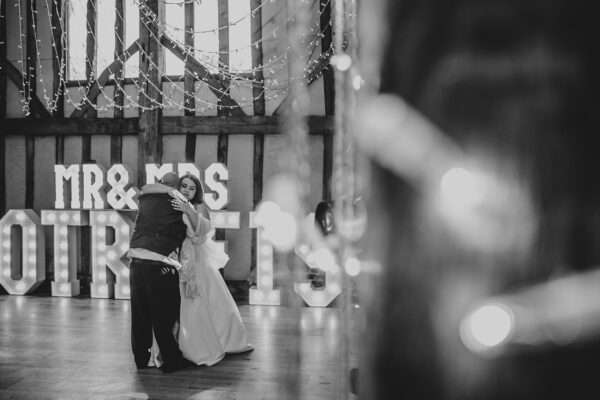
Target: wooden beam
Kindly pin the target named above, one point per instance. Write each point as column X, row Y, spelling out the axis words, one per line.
column 223, row 11
column 188, row 80
column 31, row 91
column 119, row 70
column 257, row 125
column 329, row 95
column 37, row 107
column 83, row 235
column 58, row 59
column 85, row 106
column 3, row 95
column 258, row 86
column 31, row 53
column 116, row 141
column 311, row 76
column 189, row 85
column 215, row 84
column 59, row 65
column 3, row 61
column 68, row 127
column 149, row 140
column 223, row 140
column 325, row 23
column 258, row 104
column 90, row 65
column 59, row 150
column 258, row 96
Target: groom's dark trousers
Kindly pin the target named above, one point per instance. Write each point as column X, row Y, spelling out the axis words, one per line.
column 154, row 285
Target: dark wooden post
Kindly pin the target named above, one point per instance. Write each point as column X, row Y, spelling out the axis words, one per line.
column 30, row 92
column 119, row 74
column 329, row 95
column 58, row 60
column 3, row 88
column 258, row 93
column 90, row 65
column 149, row 140
column 223, row 139
column 189, row 82
column 58, row 65
column 116, row 141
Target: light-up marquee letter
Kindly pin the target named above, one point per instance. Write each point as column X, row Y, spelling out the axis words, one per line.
column 33, row 263
column 93, row 181
column 109, row 255
column 264, row 293
column 154, row 172
column 224, row 220
column 65, row 268
column 188, row 168
column 61, row 174
column 214, row 176
column 120, row 196
column 323, row 259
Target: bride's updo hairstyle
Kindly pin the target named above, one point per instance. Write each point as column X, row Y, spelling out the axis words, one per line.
column 199, row 196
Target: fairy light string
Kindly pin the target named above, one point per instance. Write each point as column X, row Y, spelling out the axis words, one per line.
column 173, row 93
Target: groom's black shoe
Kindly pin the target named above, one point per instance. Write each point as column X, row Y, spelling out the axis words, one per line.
column 182, row 363
column 142, row 362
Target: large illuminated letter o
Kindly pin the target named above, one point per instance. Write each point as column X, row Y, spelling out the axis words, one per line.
column 33, row 270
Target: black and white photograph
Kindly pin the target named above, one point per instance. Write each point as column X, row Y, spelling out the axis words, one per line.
column 299, row 200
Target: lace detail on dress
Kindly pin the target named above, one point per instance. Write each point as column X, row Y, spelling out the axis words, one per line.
column 198, row 251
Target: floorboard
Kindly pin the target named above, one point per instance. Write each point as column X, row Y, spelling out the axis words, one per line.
column 79, row 348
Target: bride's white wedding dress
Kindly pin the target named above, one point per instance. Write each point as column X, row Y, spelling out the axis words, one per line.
column 210, row 324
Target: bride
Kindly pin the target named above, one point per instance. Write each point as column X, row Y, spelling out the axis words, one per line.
column 210, row 324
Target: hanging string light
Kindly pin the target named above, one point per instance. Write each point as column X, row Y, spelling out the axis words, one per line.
column 273, row 87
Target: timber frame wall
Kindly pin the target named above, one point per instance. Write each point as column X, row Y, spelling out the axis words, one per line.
column 150, row 127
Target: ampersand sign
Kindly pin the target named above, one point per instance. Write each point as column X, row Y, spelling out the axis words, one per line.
column 119, row 197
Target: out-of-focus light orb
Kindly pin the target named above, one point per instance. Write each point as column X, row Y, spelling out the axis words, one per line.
column 282, row 232
column 342, row 62
column 324, row 259
column 352, row 266
column 487, row 327
column 267, row 212
column 357, row 82
column 461, row 187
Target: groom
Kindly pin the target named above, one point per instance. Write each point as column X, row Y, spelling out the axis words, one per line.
column 159, row 230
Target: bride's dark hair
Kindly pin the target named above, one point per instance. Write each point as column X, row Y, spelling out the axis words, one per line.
column 198, row 197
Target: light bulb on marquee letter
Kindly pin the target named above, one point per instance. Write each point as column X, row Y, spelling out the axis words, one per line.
column 154, row 172
column 188, row 168
column 62, row 174
column 120, row 196
column 214, row 176
column 33, row 250
column 65, row 274
column 104, row 255
column 93, row 181
column 263, row 294
column 324, row 260
column 224, row 220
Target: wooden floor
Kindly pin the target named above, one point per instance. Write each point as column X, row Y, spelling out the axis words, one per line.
column 74, row 348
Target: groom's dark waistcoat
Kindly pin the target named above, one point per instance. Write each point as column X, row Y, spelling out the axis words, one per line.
column 158, row 227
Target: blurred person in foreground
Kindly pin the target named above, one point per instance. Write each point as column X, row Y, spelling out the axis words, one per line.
column 482, row 131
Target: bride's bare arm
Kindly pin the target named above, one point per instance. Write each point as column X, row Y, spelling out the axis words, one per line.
column 199, row 218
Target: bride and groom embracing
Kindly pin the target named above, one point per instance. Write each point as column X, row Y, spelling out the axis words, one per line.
column 182, row 312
